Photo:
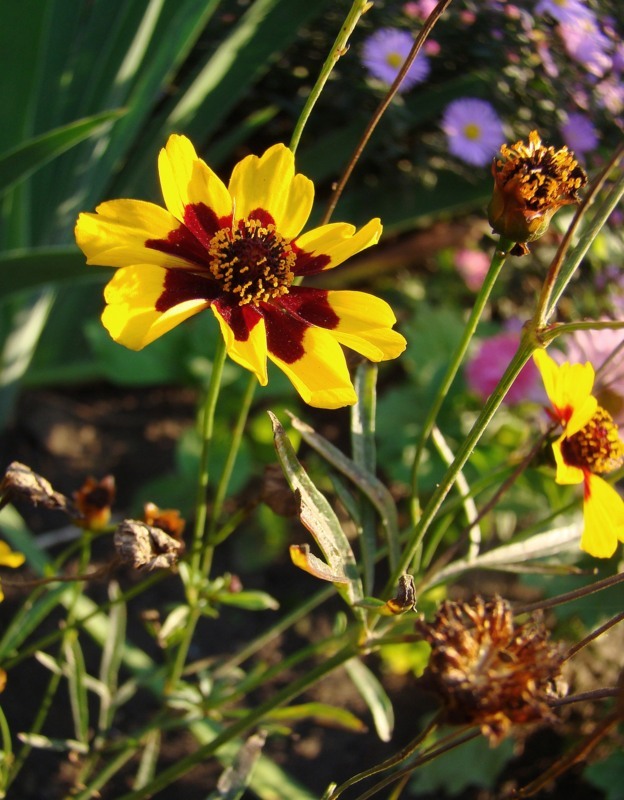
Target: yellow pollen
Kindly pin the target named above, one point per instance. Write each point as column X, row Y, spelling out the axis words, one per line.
column 597, row 447
column 472, row 131
column 253, row 262
column 394, row 60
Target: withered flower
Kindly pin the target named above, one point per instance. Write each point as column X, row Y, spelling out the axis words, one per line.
column 489, row 671
column 93, row 501
column 531, row 182
column 145, row 547
column 167, row 519
column 20, row 482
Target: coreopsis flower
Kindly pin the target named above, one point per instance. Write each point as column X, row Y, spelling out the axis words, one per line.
column 9, row 558
column 384, row 53
column 237, row 250
column 531, row 182
column 490, row 671
column 93, row 501
column 589, row 446
column 473, row 130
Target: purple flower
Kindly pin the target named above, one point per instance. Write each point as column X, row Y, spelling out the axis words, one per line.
column 472, row 265
column 566, row 11
column 473, row 130
column 587, row 44
column 579, row 134
column 384, row 53
column 490, row 361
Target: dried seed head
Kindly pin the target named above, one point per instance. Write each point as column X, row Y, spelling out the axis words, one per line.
column 489, row 671
column 145, row 547
column 21, row 483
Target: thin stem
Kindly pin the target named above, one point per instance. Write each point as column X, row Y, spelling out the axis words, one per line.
column 498, row 259
column 243, row 725
column 339, row 48
column 380, row 110
column 228, row 467
column 492, row 404
column 560, row 329
column 594, row 635
column 576, row 594
column 581, row 697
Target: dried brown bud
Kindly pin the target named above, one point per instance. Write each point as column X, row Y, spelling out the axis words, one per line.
column 530, row 183
column 93, row 501
column 145, row 547
column 167, row 519
column 21, row 483
column 277, row 494
column 489, row 671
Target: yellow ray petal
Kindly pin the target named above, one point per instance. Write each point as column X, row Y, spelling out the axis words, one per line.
column 115, row 235
column 9, row 558
column 269, row 182
column 339, row 241
column 131, row 317
column 185, row 178
column 603, row 513
column 250, row 354
column 321, row 376
column 365, row 325
column 566, row 474
column 568, row 387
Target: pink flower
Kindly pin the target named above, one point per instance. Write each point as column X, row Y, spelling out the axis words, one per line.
column 490, row 361
column 472, row 265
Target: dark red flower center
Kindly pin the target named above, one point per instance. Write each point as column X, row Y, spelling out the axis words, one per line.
column 597, row 447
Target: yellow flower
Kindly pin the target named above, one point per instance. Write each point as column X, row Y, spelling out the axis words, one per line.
column 8, row 558
column 589, row 445
column 530, row 183
column 237, row 250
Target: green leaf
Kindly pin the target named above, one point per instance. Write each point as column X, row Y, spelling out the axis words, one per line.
column 77, row 689
column 249, row 600
column 375, row 697
column 31, row 268
column 322, row 713
column 319, row 518
column 607, row 775
column 19, row 163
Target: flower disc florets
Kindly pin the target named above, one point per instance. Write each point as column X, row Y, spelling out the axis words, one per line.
column 489, row 671
column 252, row 261
column 531, row 182
column 597, row 447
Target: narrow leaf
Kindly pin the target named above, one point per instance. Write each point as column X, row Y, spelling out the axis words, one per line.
column 375, row 697
column 34, row 267
column 321, row 713
column 149, row 759
column 302, row 557
column 77, row 688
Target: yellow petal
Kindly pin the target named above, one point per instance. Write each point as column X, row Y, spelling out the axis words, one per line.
column 8, row 558
column 250, row 354
column 320, row 376
column 339, row 241
column 131, row 317
column 365, row 323
column 269, row 182
column 603, row 513
column 566, row 474
column 186, row 179
column 115, row 236
column 568, row 387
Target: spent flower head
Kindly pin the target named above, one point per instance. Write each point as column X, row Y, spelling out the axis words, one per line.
column 488, row 670
column 589, row 446
column 93, row 501
column 473, row 130
column 237, row 250
column 384, row 53
column 531, row 182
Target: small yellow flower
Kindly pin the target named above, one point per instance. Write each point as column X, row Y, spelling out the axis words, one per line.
column 530, row 183
column 237, row 249
column 9, row 558
column 589, row 446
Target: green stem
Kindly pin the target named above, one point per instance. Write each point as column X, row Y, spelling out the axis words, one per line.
column 559, row 329
column 201, row 507
column 498, row 259
column 525, row 349
column 242, row 726
column 237, row 436
column 339, row 48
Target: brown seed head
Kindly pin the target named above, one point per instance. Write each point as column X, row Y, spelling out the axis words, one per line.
column 145, row 547
column 530, row 183
column 20, row 482
column 489, row 671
